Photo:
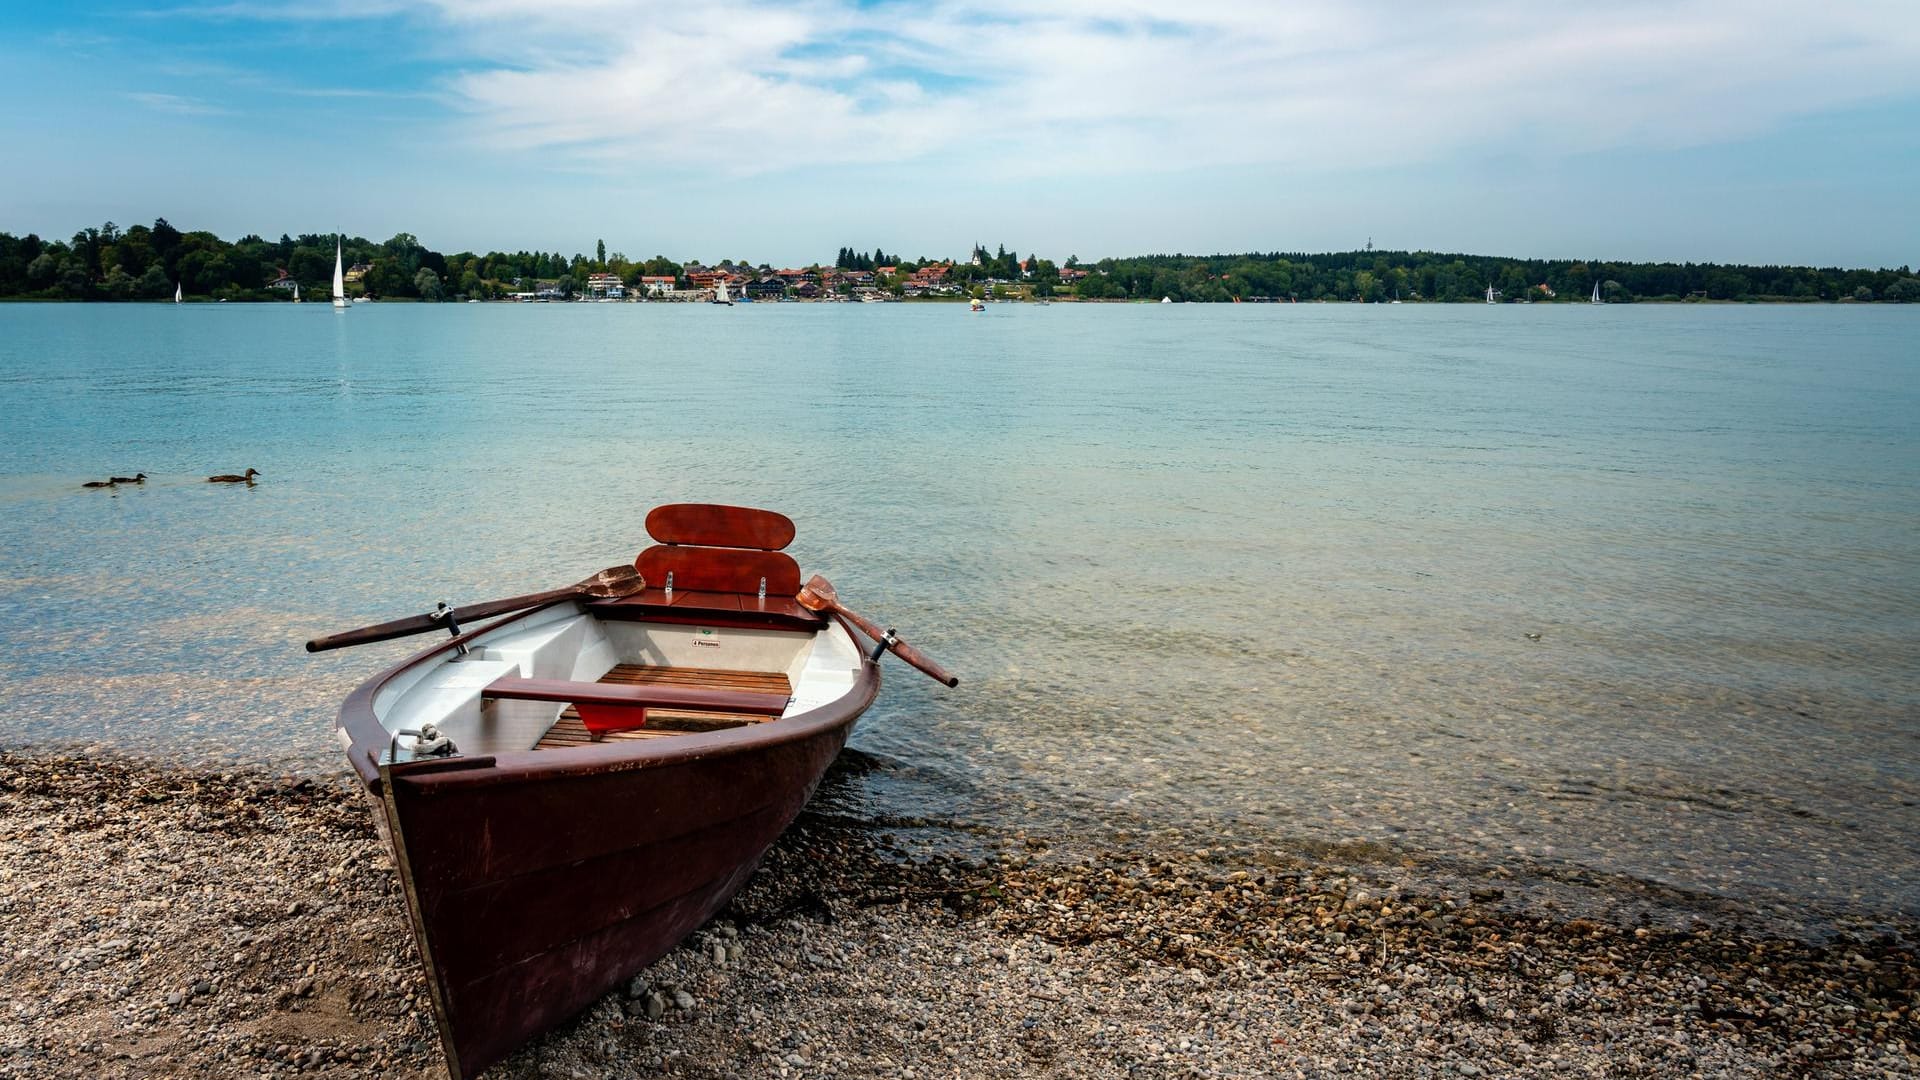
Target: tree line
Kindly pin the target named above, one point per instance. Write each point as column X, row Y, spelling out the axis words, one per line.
column 147, row 262
column 1374, row 276
column 849, row 259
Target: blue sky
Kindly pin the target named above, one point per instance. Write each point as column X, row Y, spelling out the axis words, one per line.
column 778, row 131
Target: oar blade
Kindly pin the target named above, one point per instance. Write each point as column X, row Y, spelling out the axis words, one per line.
column 613, row 583
column 818, row 595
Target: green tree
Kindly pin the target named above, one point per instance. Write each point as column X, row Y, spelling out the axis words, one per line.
column 1726, row 285
column 118, row 284
column 1095, row 287
column 405, row 255
column 166, row 242
column 73, row 278
column 310, row 265
column 153, row 284
column 245, row 269
column 427, row 284
column 386, row 277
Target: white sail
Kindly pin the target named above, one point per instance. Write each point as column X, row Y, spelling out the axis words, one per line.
column 339, row 277
column 176, row 292
column 1596, row 292
column 296, row 292
column 720, row 296
column 1489, row 294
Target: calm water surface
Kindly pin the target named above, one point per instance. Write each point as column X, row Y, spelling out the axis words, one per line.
column 1623, row 600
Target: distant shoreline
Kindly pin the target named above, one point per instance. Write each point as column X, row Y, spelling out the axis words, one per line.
column 161, row 262
column 957, row 301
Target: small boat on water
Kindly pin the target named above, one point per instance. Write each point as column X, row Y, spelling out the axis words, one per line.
column 177, row 291
column 976, row 304
column 1596, row 293
column 339, row 279
column 720, row 293
column 573, row 789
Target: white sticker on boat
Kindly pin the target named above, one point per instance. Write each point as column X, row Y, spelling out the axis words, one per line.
column 706, row 638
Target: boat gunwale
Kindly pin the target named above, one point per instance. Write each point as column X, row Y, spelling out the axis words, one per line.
column 367, row 738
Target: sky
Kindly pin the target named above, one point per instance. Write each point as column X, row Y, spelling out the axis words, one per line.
column 1689, row 130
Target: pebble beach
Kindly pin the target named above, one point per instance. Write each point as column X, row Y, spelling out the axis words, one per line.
column 159, row 923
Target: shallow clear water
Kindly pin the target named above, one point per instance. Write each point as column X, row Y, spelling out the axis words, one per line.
column 1258, row 573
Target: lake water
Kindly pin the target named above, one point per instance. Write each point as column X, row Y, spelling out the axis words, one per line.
column 1605, row 602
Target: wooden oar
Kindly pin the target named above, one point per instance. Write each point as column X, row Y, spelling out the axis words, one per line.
column 818, row 595
column 608, row 584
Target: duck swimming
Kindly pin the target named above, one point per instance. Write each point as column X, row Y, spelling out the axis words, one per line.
column 97, row 483
column 136, row 478
column 230, row 478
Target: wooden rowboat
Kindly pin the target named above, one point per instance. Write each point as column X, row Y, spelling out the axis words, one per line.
column 572, row 790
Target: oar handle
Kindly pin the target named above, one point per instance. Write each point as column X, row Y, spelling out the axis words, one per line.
column 421, row 624
column 899, row 648
column 920, row 660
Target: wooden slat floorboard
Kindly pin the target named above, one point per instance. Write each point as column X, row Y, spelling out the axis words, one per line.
column 665, row 723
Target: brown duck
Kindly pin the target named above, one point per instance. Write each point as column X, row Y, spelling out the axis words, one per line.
column 97, row 483
column 232, row 478
column 136, row 478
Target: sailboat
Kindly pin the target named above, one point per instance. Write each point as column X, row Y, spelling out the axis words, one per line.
column 176, row 292
column 339, row 279
column 296, row 292
column 1490, row 298
column 720, row 292
column 1596, row 292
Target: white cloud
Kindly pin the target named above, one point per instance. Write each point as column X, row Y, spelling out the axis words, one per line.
column 175, row 104
column 1128, row 85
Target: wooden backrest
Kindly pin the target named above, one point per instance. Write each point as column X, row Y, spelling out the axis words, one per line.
column 713, row 548
column 713, row 525
column 729, row 570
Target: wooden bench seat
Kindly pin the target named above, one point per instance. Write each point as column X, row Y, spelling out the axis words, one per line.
column 621, row 706
column 701, row 608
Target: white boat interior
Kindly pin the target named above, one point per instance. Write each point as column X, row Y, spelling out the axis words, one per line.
column 568, row 642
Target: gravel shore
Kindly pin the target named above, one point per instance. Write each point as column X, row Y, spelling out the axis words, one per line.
column 164, row 924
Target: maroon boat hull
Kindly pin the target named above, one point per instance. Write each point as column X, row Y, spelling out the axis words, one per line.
column 537, row 881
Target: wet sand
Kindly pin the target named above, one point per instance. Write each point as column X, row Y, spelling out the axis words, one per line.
column 168, row 924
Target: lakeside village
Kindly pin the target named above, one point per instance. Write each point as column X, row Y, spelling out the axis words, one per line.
column 162, row 262
column 879, row 283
